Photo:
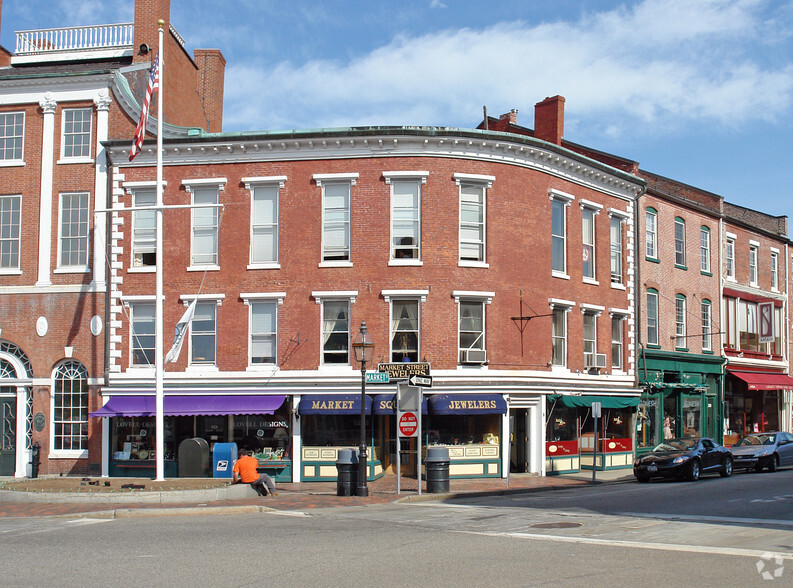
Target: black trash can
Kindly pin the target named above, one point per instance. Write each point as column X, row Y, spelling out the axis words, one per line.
column 346, row 468
column 437, row 465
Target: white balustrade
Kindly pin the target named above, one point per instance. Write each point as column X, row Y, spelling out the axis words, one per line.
column 75, row 38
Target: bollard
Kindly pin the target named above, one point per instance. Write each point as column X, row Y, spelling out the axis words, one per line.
column 35, row 460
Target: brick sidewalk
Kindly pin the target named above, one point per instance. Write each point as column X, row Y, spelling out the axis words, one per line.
column 308, row 495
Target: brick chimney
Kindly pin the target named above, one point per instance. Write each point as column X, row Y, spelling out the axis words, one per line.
column 211, row 77
column 549, row 119
column 147, row 13
column 511, row 116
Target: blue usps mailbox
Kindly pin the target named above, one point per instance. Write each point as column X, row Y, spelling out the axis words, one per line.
column 223, row 457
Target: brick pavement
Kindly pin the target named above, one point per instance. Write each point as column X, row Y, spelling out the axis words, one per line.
column 305, row 496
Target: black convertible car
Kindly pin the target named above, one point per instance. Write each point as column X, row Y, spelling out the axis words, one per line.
column 685, row 458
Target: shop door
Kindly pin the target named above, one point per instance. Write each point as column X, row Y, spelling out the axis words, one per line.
column 711, row 426
column 8, row 436
column 519, row 440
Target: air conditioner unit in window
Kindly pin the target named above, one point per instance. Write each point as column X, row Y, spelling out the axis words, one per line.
column 594, row 361
column 474, row 356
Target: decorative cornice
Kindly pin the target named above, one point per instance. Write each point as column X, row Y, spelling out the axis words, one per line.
column 48, row 103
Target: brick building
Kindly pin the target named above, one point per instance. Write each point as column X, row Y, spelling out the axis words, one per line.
column 62, row 93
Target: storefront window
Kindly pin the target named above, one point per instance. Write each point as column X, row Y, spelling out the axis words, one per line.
column 133, row 438
column 692, row 410
column 647, row 423
column 670, row 417
column 562, row 424
column 266, row 435
column 463, row 429
column 331, row 430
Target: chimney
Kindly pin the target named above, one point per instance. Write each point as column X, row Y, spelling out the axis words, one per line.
column 549, row 119
column 211, row 76
column 511, row 116
column 147, row 13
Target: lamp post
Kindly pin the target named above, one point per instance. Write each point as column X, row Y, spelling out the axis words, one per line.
column 364, row 350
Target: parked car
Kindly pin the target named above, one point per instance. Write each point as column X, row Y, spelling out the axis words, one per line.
column 763, row 450
column 684, row 458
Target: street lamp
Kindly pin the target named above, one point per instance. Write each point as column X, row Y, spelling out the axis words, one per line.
column 363, row 346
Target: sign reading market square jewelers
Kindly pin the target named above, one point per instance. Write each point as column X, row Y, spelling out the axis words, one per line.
column 402, row 371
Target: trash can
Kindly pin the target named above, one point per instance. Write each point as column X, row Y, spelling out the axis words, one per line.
column 223, row 457
column 346, row 462
column 194, row 458
column 437, row 466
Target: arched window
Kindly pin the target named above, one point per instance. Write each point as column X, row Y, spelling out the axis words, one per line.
column 70, row 407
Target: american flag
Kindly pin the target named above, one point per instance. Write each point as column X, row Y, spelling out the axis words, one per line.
column 140, row 132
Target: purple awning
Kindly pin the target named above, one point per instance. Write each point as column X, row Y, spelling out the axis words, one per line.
column 180, row 405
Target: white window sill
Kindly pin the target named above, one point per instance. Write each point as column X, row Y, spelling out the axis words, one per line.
column 471, row 366
column 753, row 284
column 591, row 281
column 562, row 275
column 12, row 163
column 10, row 272
column 560, row 369
column 775, row 290
column 201, row 368
column 616, row 286
column 731, row 279
column 262, row 367
column 467, row 263
column 68, row 160
column 56, row 454
column 142, row 269
column 334, row 264
column 204, row 268
column 72, row 270
column 264, row 266
column 405, row 262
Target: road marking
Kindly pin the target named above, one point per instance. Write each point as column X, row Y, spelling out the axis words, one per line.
column 754, row 553
column 709, row 519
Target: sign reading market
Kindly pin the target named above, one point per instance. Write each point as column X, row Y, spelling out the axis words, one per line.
column 402, row 371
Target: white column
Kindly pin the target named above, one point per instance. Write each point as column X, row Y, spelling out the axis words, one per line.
column 48, row 105
column 102, row 101
column 23, row 454
column 106, row 452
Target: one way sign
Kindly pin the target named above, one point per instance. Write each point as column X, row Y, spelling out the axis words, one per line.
column 423, row 381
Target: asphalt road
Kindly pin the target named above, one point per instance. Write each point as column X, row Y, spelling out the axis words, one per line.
column 715, row 532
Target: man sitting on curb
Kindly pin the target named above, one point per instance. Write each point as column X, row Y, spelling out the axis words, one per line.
column 245, row 471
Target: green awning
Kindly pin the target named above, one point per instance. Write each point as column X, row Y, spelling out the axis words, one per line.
column 586, row 401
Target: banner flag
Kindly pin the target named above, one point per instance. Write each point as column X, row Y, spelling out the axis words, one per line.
column 181, row 331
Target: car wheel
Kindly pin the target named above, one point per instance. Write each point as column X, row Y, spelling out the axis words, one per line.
column 726, row 470
column 693, row 471
column 773, row 463
column 643, row 479
column 758, row 467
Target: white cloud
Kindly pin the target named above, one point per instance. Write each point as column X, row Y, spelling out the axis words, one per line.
column 660, row 62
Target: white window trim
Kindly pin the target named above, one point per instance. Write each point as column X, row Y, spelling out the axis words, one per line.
column 62, row 453
column 73, row 269
column 591, row 206
column 566, row 306
column 592, row 309
column 186, row 300
column 705, row 230
column 247, row 298
column 463, row 178
column 189, row 186
column 560, row 303
column 654, row 232
column 486, row 182
column 389, row 295
column 754, row 247
column 402, row 295
column 472, row 296
column 251, row 183
column 565, row 199
column 130, row 302
column 622, row 215
column 321, row 296
column 684, row 324
column 406, row 175
column 320, row 179
column 486, row 297
column 80, row 159
column 420, row 176
column 15, row 271
column 657, row 319
column 774, row 269
column 729, row 240
column 21, row 160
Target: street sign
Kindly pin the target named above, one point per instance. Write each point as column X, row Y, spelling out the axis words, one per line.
column 377, row 378
column 402, row 371
column 596, row 409
column 408, row 397
column 423, row 381
column 407, row 424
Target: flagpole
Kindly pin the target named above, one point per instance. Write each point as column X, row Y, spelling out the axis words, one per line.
column 159, row 422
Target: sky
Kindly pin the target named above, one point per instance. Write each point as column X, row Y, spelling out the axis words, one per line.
column 700, row 91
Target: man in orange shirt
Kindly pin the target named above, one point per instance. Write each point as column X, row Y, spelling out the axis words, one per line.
column 245, row 471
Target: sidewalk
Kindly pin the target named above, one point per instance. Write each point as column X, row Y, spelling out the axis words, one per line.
column 291, row 497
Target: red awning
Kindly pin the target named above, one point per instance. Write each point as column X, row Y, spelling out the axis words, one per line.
column 764, row 380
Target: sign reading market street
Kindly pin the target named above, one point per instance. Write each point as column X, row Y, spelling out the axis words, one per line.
column 402, row 371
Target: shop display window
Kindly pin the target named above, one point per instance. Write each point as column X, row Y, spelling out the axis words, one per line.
column 268, row 436
column 133, row 438
column 562, row 424
column 463, row 429
column 614, row 430
column 692, row 412
column 647, row 423
column 331, row 430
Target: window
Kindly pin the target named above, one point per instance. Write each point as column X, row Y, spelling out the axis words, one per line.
column 264, row 331
column 616, row 342
column 651, row 233
column 747, row 326
column 559, row 235
column 774, row 270
column 652, row 317
column 706, row 328
column 144, row 238
column 73, row 240
column 405, row 330
column 753, row 265
column 704, row 249
column 590, row 335
column 616, row 249
column 335, row 331
column 472, row 222
column 336, row 221
column 142, row 321
column 680, row 242
column 70, row 408
column 471, row 328
column 9, row 232
column 588, row 228
column 729, row 258
column 265, row 218
column 680, row 321
column 203, row 333
column 559, row 337
column 405, row 213
column 12, row 133
column 76, row 133
column 205, row 227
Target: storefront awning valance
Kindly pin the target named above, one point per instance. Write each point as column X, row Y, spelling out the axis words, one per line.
column 333, row 404
column 386, row 404
column 183, row 405
column 445, row 404
column 764, row 380
column 586, row 401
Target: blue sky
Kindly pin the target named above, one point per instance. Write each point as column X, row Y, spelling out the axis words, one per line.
column 700, row 91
